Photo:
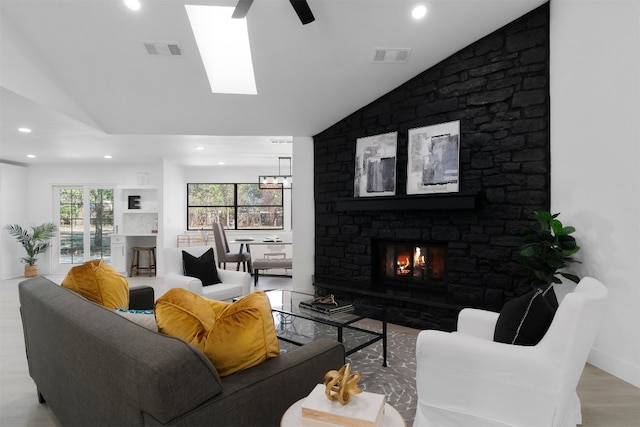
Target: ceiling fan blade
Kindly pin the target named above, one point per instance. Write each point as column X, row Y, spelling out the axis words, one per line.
column 302, row 9
column 241, row 9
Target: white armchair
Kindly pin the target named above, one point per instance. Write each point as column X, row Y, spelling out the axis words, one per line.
column 465, row 379
column 234, row 283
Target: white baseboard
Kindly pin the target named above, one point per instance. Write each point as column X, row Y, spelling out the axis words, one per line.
column 615, row 366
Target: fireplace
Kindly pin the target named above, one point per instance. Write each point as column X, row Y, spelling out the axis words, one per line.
column 414, row 264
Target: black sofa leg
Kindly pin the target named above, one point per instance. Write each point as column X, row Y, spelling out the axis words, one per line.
column 255, row 277
column 41, row 398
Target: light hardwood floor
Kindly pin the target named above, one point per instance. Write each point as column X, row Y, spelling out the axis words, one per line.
column 606, row 400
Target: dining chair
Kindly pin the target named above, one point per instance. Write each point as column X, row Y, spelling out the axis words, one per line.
column 223, row 254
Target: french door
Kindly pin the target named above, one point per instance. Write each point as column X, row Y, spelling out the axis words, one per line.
column 84, row 215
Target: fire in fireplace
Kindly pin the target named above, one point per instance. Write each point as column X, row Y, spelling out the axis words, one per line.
column 415, row 263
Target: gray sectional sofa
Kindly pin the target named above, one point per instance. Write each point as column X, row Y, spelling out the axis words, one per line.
column 94, row 367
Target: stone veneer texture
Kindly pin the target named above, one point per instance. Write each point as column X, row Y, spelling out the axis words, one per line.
column 498, row 88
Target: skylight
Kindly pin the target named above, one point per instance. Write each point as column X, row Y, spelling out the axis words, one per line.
column 223, row 43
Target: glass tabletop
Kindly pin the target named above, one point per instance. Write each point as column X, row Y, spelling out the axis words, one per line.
column 288, row 302
column 299, row 325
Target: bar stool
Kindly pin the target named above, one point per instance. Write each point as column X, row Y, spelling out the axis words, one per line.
column 135, row 261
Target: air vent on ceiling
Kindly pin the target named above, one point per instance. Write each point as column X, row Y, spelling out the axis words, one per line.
column 391, row 56
column 280, row 141
column 163, row 48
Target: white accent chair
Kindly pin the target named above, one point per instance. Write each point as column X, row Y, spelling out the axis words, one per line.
column 234, row 283
column 465, row 379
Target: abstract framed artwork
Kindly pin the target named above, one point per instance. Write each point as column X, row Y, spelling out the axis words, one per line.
column 434, row 158
column 375, row 173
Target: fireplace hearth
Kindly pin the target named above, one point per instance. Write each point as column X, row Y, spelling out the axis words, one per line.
column 412, row 264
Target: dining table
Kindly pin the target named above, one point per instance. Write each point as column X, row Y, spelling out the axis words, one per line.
column 246, row 242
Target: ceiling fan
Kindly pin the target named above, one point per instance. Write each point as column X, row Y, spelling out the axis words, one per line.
column 300, row 6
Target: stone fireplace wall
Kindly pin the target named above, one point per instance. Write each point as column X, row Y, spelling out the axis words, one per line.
column 498, row 88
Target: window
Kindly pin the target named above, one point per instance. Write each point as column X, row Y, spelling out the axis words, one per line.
column 235, row 206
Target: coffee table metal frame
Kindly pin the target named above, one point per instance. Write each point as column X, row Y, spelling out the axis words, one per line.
column 285, row 305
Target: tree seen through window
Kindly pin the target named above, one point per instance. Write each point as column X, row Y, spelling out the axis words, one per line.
column 235, row 206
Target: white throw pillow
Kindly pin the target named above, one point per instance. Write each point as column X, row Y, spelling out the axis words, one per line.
column 144, row 318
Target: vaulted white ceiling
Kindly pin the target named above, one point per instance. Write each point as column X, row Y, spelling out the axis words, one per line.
column 76, row 72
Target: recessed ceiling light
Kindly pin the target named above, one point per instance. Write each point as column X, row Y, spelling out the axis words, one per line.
column 221, row 163
column 419, row 12
column 199, row 148
column 107, row 156
column 133, row 4
column 24, row 130
column 31, row 156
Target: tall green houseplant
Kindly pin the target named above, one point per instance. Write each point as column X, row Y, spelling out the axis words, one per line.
column 35, row 240
column 548, row 251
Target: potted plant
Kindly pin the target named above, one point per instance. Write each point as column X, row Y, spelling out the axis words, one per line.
column 548, row 251
column 34, row 240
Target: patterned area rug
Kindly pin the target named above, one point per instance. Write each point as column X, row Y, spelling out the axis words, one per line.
column 397, row 381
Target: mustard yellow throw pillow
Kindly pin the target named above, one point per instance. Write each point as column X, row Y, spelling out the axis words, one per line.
column 233, row 336
column 99, row 282
column 182, row 314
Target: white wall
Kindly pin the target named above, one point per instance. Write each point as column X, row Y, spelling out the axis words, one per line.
column 595, row 160
column 303, row 212
column 13, row 210
column 37, row 181
column 42, row 178
column 226, row 174
column 173, row 215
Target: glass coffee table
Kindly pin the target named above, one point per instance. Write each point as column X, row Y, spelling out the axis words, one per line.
column 301, row 326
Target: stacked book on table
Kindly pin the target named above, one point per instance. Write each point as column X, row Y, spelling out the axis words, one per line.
column 329, row 309
column 362, row 410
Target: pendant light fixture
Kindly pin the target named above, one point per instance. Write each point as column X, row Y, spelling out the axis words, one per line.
column 282, row 180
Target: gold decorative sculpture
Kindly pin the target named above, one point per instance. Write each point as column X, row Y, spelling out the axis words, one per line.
column 329, row 299
column 340, row 385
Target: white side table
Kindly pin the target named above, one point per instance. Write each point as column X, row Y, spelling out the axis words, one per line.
column 293, row 416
